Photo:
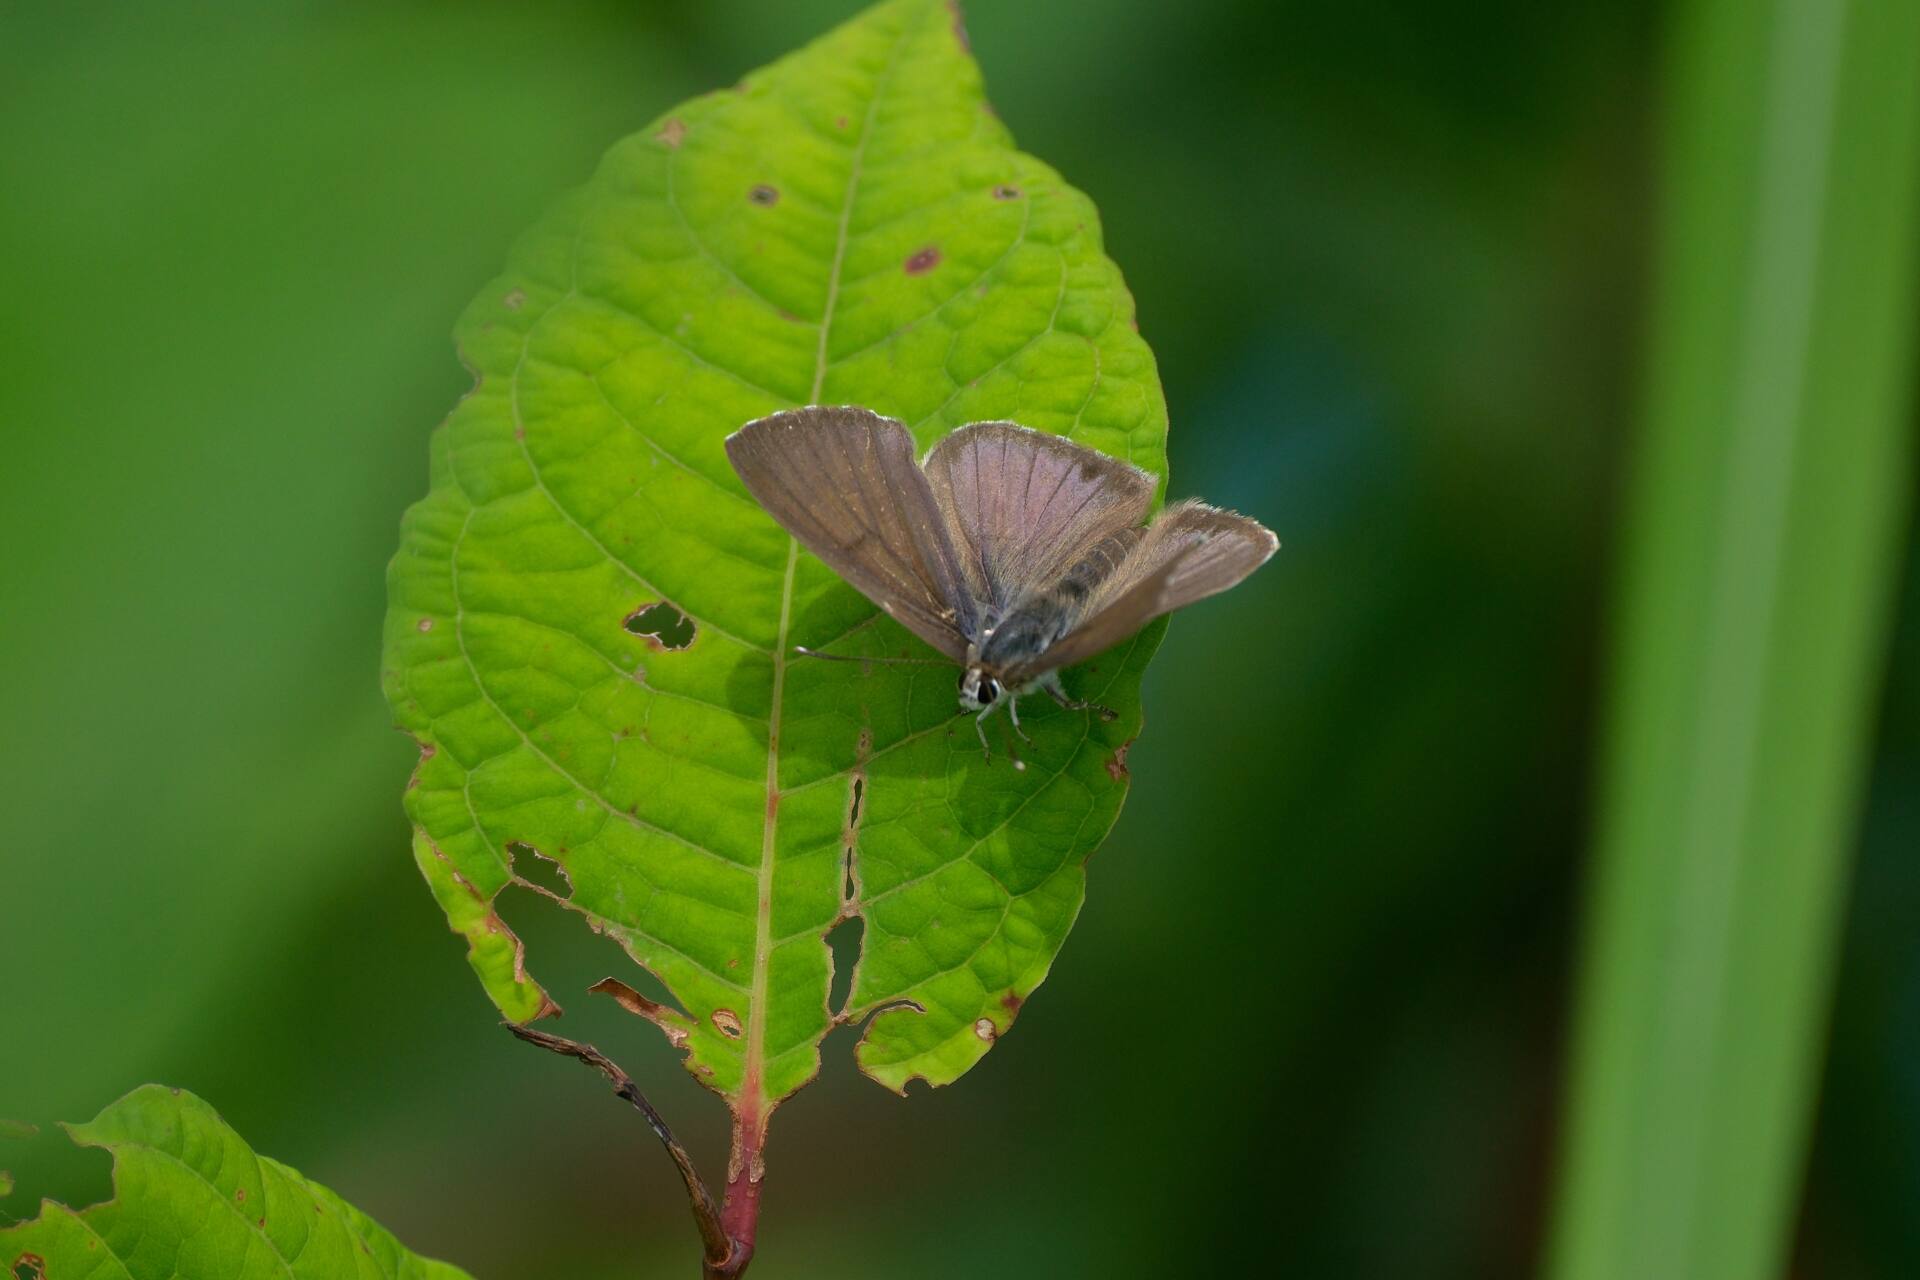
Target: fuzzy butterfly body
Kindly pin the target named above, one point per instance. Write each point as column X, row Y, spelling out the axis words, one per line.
column 1013, row 552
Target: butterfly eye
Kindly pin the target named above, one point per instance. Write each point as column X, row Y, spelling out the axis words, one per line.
column 977, row 688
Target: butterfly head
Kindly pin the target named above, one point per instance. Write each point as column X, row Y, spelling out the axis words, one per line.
column 978, row 689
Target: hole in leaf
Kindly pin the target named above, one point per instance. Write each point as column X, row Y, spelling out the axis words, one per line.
column 538, row 870
column 844, row 941
column 850, row 836
column 29, row 1266
column 1006, row 191
column 566, row 951
column 763, row 194
column 727, row 1023
column 662, row 623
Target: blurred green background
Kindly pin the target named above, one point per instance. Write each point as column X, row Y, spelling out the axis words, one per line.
column 1393, row 259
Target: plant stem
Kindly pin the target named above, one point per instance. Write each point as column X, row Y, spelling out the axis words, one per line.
column 740, row 1218
column 722, row 1257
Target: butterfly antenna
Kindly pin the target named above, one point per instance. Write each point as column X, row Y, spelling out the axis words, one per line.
column 805, row 652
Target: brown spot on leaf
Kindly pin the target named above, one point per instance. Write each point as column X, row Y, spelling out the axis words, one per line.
column 762, row 194
column 727, row 1023
column 986, row 1030
column 514, row 299
column 672, row 133
column 1011, row 1002
column 1117, row 762
column 1006, row 191
column 839, row 122
column 240, row 1195
column 425, row 624
column 922, row 262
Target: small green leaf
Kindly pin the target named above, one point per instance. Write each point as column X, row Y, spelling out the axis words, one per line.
column 193, row 1200
column 851, row 225
column 14, row 1131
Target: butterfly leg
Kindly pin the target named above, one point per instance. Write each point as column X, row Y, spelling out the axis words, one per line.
column 986, row 748
column 1051, row 683
column 1013, row 710
column 980, row 727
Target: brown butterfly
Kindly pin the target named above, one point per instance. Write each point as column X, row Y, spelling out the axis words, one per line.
column 1013, row 552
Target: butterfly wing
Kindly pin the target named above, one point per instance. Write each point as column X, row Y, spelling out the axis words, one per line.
column 1023, row 505
column 1191, row 552
column 843, row 481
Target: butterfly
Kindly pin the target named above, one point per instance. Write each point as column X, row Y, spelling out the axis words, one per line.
column 1013, row 552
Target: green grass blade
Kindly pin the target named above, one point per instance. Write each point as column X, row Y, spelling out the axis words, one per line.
column 1763, row 529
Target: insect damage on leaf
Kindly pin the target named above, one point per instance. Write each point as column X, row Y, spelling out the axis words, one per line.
column 662, row 624
column 853, row 226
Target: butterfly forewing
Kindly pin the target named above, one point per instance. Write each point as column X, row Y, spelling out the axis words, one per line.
column 1191, row 552
column 1024, row 507
column 843, row 481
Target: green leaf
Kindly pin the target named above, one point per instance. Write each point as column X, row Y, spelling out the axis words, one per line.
column 12, row 1131
column 192, row 1200
column 849, row 225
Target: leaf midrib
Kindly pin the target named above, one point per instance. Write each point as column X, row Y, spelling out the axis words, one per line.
column 753, row 1074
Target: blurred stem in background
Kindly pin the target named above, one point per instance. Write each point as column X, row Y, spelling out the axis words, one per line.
column 1756, row 589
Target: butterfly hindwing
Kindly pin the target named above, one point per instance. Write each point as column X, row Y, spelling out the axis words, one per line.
column 1191, row 552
